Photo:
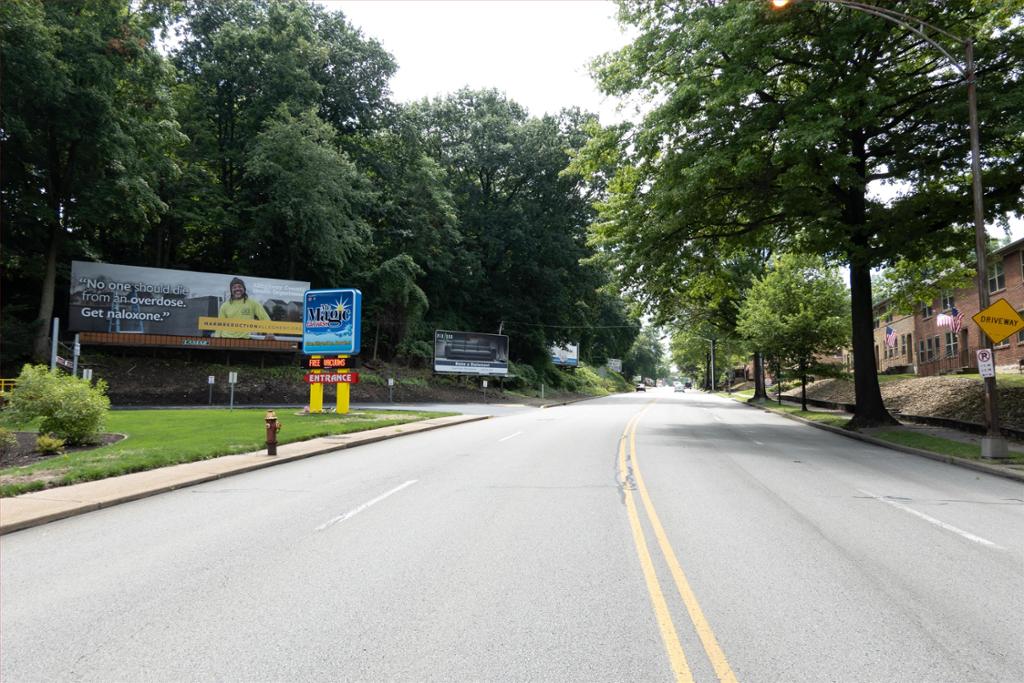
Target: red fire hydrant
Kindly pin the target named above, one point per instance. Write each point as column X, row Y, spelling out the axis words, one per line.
column 273, row 427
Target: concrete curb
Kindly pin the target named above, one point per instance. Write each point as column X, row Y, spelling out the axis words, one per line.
column 997, row 470
column 39, row 507
column 573, row 400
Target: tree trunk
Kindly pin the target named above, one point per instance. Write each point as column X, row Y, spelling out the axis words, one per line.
column 759, row 392
column 869, row 410
column 40, row 347
column 803, row 387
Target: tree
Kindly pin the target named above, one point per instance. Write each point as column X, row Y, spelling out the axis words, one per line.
column 306, row 200
column 87, row 132
column 646, row 356
column 798, row 310
column 522, row 223
column 767, row 129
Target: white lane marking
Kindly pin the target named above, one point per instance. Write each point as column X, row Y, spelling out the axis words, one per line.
column 937, row 522
column 356, row 511
column 759, row 443
column 510, row 436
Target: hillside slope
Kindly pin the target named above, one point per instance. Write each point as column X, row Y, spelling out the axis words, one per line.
column 958, row 398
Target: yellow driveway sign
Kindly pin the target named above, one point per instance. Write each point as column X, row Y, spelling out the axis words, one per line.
column 999, row 321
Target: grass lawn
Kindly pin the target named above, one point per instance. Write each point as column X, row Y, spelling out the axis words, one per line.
column 935, row 444
column 158, row 438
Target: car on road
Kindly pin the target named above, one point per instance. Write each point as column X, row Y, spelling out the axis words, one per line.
column 641, row 387
column 680, row 387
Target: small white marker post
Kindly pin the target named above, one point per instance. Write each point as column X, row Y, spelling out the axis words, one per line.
column 210, row 380
column 391, row 387
column 232, row 380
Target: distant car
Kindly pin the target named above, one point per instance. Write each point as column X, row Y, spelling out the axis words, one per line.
column 688, row 385
column 680, row 387
column 641, row 387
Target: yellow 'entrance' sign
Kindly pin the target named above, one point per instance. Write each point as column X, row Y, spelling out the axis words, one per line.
column 999, row 321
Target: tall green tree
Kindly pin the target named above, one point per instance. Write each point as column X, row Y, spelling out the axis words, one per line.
column 87, row 132
column 522, row 222
column 241, row 61
column 305, row 201
column 796, row 311
column 768, row 128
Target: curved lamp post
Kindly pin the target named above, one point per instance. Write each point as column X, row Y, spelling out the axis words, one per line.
column 993, row 445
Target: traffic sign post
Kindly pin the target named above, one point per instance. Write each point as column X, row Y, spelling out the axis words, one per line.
column 998, row 321
column 210, row 380
column 232, row 380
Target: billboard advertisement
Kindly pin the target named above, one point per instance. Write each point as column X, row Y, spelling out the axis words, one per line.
column 566, row 356
column 107, row 297
column 615, row 364
column 332, row 321
column 470, row 353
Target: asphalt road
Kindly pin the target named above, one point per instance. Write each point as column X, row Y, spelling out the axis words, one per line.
column 634, row 538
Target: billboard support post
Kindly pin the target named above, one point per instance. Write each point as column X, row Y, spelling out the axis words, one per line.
column 74, row 356
column 53, row 344
column 341, row 398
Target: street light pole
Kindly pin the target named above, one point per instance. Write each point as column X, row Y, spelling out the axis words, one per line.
column 993, row 445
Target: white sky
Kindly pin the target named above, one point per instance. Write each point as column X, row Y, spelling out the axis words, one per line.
column 536, row 51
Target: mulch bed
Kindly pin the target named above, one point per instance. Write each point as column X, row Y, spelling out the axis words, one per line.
column 26, row 454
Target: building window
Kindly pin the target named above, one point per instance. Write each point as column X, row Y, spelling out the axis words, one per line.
column 1020, row 335
column 926, row 311
column 952, row 347
column 903, row 345
column 996, row 277
column 910, row 347
column 947, row 300
column 888, row 316
column 931, row 352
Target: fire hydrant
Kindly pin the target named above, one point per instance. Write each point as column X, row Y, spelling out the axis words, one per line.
column 273, row 427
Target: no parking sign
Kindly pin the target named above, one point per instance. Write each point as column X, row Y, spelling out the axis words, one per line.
column 986, row 365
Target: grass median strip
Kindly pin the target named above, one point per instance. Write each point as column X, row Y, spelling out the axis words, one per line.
column 158, row 438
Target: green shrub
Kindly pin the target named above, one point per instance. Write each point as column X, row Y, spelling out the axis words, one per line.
column 48, row 444
column 415, row 354
column 71, row 408
column 8, row 442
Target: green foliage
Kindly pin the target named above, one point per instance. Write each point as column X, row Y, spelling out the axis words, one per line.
column 798, row 310
column 47, row 444
column 305, row 199
column 767, row 129
column 69, row 407
column 416, row 354
column 8, row 442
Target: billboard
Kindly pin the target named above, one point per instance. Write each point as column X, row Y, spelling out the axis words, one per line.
column 470, row 353
column 567, row 356
column 107, row 297
column 615, row 364
column 332, row 321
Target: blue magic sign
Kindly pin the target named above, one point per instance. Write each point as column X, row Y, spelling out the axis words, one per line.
column 332, row 321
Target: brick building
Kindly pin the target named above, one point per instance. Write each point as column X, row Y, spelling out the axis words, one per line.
column 925, row 347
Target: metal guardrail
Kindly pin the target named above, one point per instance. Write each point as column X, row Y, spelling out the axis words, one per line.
column 7, row 384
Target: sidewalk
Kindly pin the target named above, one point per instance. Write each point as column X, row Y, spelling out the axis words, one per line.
column 40, row 507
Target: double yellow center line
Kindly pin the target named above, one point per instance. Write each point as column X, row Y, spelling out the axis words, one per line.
column 629, row 475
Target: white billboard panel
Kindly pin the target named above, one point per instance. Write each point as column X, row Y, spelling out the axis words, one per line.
column 568, row 355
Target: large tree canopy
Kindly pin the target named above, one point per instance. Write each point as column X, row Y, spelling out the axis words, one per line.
column 264, row 143
column 767, row 128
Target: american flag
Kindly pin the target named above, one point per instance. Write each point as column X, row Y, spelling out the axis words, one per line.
column 890, row 337
column 954, row 320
